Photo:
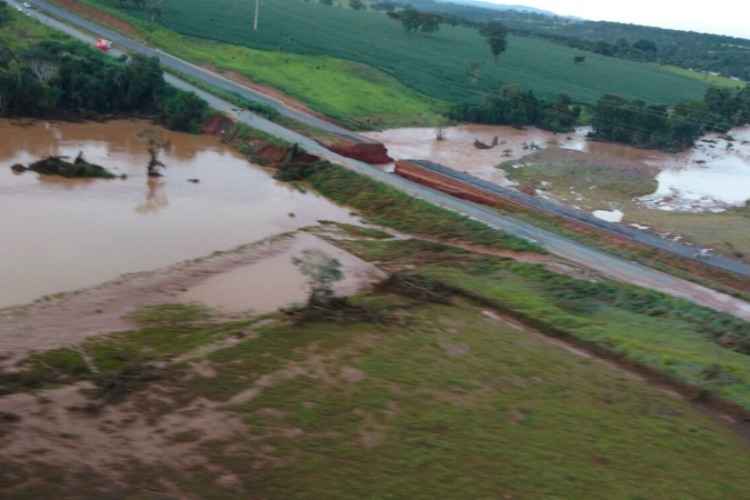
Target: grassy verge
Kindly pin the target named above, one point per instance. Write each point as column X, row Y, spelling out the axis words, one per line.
column 712, row 80
column 21, row 32
column 353, row 94
column 688, row 343
column 388, row 207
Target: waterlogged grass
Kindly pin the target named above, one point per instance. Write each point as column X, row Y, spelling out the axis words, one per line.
column 438, row 65
column 388, row 207
column 613, row 184
column 457, row 405
column 689, row 343
column 437, row 401
column 167, row 331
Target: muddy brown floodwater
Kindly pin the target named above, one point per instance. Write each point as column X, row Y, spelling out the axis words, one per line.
column 457, row 149
column 274, row 282
column 61, row 235
column 711, row 177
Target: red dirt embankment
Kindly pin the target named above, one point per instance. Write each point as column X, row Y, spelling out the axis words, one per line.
column 374, row 153
column 453, row 187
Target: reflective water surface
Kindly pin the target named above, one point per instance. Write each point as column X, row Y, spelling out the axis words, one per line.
column 60, row 235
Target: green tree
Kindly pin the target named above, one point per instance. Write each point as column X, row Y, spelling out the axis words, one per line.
column 357, row 4
column 645, row 46
column 410, row 19
column 429, row 23
column 184, row 111
column 496, row 35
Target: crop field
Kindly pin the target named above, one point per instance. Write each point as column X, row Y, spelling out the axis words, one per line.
column 437, row 65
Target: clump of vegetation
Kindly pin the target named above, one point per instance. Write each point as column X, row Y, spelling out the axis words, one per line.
column 115, row 387
column 322, row 273
column 635, row 122
column 43, row 80
column 513, row 106
column 412, row 20
column 418, row 287
column 56, row 165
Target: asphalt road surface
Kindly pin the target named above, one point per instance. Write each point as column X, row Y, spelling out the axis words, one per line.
column 185, row 68
column 642, row 237
column 606, row 264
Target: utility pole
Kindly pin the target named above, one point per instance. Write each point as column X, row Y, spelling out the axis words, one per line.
column 257, row 11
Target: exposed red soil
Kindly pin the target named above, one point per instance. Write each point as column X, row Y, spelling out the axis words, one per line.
column 453, row 187
column 374, row 153
column 98, row 16
column 217, row 125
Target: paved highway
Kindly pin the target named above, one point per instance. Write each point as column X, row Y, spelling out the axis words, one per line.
column 604, row 263
column 643, row 237
column 185, row 68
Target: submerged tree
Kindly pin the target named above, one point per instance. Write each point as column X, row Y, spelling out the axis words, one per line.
column 322, row 272
column 156, row 143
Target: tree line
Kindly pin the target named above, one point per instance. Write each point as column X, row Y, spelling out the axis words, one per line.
column 59, row 79
column 673, row 129
column 513, row 106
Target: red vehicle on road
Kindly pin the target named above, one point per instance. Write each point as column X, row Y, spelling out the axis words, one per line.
column 103, row 45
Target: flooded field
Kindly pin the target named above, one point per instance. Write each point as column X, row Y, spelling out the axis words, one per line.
column 697, row 196
column 60, row 235
column 457, row 149
column 712, row 177
column 274, row 282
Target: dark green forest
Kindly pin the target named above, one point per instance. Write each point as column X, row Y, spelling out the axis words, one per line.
column 635, row 122
column 67, row 79
column 516, row 107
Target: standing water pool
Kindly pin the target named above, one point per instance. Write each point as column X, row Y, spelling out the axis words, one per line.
column 60, row 234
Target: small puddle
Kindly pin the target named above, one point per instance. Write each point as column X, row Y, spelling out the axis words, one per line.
column 275, row 282
column 61, row 235
column 609, row 215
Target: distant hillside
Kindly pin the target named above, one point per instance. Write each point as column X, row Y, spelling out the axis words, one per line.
column 502, row 7
column 725, row 55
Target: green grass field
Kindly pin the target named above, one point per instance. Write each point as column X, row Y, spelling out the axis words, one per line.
column 371, row 99
column 713, row 80
column 435, row 65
